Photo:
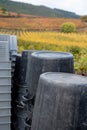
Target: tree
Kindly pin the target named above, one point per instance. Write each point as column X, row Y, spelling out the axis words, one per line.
column 68, row 27
column 3, row 10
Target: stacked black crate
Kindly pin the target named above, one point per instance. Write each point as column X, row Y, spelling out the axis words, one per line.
column 5, row 86
column 13, row 54
column 24, row 101
column 21, row 89
column 15, row 90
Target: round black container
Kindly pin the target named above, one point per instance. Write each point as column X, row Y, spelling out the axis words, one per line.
column 61, row 102
column 47, row 62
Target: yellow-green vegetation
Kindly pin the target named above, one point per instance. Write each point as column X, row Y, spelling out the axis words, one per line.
column 54, row 39
column 76, row 43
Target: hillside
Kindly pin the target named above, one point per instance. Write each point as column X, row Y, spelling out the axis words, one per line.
column 24, row 8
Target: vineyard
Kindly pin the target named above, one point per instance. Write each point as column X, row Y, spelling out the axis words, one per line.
column 32, row 23
column 44, row 40
column 41, row 33
column 76, row 43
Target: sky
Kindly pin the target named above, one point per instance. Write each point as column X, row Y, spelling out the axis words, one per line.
column 76, row 6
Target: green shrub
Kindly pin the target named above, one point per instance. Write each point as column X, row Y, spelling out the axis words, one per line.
column 68, row 27
column 81, row 65
column 75, row 50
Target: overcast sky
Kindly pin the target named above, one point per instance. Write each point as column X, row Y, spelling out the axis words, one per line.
column 77, row 6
